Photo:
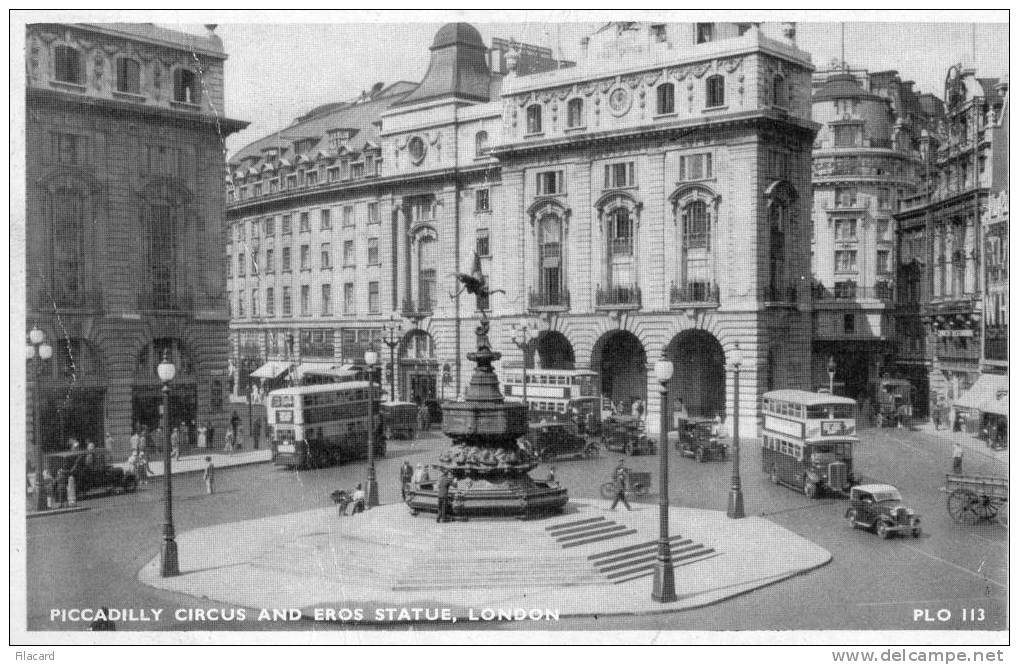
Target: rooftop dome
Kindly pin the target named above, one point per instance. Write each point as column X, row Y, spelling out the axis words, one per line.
column 458, row 67
column 841, row 86
column 457, row 33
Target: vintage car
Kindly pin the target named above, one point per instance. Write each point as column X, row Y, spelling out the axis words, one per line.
column 91, row 472
column 552, row 439
column 400, row 419
column 879, row 507
column 626, row 434
column 699, row 438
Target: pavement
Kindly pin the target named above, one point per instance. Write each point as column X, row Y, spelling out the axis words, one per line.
column 589, row 561
column 971, row 444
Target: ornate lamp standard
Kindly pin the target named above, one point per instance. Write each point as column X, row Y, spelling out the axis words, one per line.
column 524, row 332
column 391, row 337
column 168, row 566
column 831, row 374
column 735, row 510
column 664, row 589
column 38, row 351
column 371, row 489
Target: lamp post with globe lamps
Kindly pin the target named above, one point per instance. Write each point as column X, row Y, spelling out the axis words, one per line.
column 38, row 351
column 831, row 374
column 735, row 510
column 391, row 338
column 371, row 489
column 664, row 589
column 524, row 332
column 168, row 566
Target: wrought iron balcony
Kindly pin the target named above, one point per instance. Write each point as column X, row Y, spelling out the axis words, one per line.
column 621, row 246
column 421, row 308
column 850, row 291
column 548, row 301
column 617, row 297
column 173, row 302
column 692, row 295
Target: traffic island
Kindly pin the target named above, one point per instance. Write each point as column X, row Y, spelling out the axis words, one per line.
column 386, row 566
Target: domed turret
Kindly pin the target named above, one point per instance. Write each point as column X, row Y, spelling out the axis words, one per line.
column 458, row 67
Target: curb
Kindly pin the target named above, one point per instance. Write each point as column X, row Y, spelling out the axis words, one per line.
column 56, row 511
column 218, row 468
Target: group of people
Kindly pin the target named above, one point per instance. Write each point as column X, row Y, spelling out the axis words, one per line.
column 415, row 477
column 637, row 408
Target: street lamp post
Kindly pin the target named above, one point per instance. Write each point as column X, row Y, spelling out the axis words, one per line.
column 391, row 338
column 831, row 374
column 524, row 332
column 371, row 490
column 168, row 566
column 38, row 351
column 735, row 510
column 664, row 589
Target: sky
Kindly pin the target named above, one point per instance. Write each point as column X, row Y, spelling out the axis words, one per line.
column 282, row 64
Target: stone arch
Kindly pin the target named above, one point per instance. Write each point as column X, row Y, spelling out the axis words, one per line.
column 698, row 377
column 417, row 367
column 621, row 360
column 552, row 350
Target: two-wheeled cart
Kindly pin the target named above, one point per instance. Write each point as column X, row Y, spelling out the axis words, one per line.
column 638, row 486
column 973, row 499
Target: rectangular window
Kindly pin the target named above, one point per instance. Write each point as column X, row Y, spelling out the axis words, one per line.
column 348, row 298
column 291, row 181
column 254, row 302
column 482, row 243
column 373, row 297
column 229, row 265
column 884, row 261
column 128, row 76
column 348, row 253
column 333, row 174
column 312, row 178
column 534, row 119
column 847, row 136
column 255, row 229
column 327, row 254
column 373, row 213
column 305, row 223
column 348, row 215
column 270, row 261
column 325, row 222
column 240, row 304
column 619, row 175
column 241, row 266
column 287, row 307
column 270, row 226
column 666, row 99
column 369, row 166
column 356, row 171
column 481, row 200
column 882, row 229
column 285, row 258
column 695, row 167
column 327, row 299
column 373, row 251
column 845, row 260
column 549, row 182
column 243, row 194
column 779, row 164
column 270, row 302
column 705, row 32
column 258, row 190
column 845, row 197
column 845, row 229
column 884, row 198
column 274, row 186
column 305, row 300
column 849, row 324
column 304, row 257
column 286, row 225
column 68, row 65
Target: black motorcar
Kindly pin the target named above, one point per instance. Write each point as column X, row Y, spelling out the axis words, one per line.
column 549, row 440
column 434, row 411
column 699, row 438
column 879, row 507
column 91, row 472
column 626, row 434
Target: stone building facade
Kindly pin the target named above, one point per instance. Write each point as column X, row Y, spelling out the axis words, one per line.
column 124, row 153
column 652, row 199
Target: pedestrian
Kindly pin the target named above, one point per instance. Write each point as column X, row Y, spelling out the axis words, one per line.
column 73, row 443
column 49, row 487
column 142, row 468
column 61, row 488
column 175, row 444
column 202, row 437
column 256, row 431
column 136, row 441
column 956, row 457
column 228, row 441
column 209, row 475
column 147, row 443
column 406, row 473
column 358, row 500
column 235, row 423
column 211, row 441
column 109, row 441
column 620, row 486
column 72, row 490
column 443, row 493
column 422, row 418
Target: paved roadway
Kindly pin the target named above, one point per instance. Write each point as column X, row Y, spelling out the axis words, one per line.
column 91, row 559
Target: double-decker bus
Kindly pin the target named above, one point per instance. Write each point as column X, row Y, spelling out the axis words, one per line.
column 560, row 394
column 808, row 440
column 319, row 425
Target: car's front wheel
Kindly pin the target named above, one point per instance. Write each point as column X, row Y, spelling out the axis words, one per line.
column 917, row 531
column 130, row 484
column 852, row 516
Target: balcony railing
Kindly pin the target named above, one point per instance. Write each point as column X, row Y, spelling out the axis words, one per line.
column 422, row 307
column 177, row 302
column 617, row 297
column 775, row 294
column 850, row 291
column 696, row 294
column 548, row 301
column 621, row 246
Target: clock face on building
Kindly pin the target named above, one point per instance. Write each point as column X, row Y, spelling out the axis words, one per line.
column 619, row 101
column 416, row 147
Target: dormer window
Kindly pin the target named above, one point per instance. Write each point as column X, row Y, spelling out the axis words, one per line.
column 481, row 144
column 128, row 76
column 68, row 65
column 715, row 91
column 575, row 113
column 705, row 32
column 666, row 99
column 780, row 93
column 185, row 87
column 534, row 119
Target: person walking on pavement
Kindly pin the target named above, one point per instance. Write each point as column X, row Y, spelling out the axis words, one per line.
column 620, row 480
column 256, row 431
column 406, row 473
column 235, row 423
column 228, row 441
column 136, row 441
column 175, row 444
column 956, row 457
column 62, row 488
column 444, row 483
column 203, row 440
column 357, row 498
column 209, row 475
column 109, row 441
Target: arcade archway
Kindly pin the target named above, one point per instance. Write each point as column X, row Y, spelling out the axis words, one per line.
column 699, row 373
column 418, row 370
column 552, row 351
column 621, row 362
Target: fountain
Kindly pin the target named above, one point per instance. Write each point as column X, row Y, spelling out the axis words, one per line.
column 489, row 470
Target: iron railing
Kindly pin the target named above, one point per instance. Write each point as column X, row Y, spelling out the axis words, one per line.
column 693, row 294
column 548, row 300
column 626, row 297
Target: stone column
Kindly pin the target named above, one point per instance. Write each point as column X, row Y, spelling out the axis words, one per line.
column 969, row 247
column 938, row 268
column 401, row 252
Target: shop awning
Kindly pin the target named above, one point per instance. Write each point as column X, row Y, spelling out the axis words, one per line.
column 325, row 369
column 271, row 370
column 989, row 394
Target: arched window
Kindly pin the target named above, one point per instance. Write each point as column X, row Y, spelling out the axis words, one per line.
column 715, row 90
column 550, row 256
column 534, row 119
column 696, row 226
column 68, row 65
column 69, row 211
column 780, row 94
column 778, row 218
column 128, row 76
column 666, row 99
column 481, row 143
column 575, row 113
column 185, row 87
column 162, row 221
column 620, row 232
column 428, row 260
